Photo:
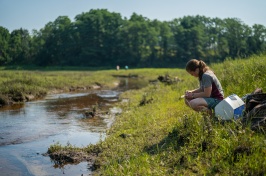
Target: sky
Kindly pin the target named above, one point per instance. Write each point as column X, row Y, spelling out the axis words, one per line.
column 35, row 14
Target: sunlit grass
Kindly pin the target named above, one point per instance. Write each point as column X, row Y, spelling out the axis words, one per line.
column 165, row 137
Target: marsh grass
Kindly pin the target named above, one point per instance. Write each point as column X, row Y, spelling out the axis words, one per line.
column 15, row 83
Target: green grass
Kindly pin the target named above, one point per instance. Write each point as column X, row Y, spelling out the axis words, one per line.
column 16, row 83
column 163, row 136
column 38, row 83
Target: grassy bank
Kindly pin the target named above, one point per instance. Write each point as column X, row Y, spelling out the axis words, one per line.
column 157, row 134
column 164, row 137
column 18, row 85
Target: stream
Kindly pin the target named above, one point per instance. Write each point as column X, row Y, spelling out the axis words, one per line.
column 27, row 130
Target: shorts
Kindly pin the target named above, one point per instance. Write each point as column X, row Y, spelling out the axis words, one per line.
column 212, row 102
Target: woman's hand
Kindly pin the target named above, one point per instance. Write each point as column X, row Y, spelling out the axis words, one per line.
column 189, row 95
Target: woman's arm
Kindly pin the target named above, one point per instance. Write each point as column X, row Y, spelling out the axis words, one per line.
column 197, row 93
column 194, row 91
column 189, row 93
column 206, row 93
column 197, row 90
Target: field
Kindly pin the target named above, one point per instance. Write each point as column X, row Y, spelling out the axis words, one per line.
column 157, row 134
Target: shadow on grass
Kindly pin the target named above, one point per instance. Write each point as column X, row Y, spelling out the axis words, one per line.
column 179, row 138
column 174, row 139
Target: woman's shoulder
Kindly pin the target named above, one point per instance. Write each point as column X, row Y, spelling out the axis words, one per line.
column 208, row 73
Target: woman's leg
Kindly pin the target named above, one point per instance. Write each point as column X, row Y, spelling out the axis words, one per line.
column 187, row 102
column 200, row 105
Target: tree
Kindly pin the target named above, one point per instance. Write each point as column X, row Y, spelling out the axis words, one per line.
column 54, row 40
column 4, row 42
column 257, row 41
column 189, row 37
column 165, row 41
column 140, row 38
column 98, row 36
column 110, row 38
column 220, row 46
column 20, row 41
column 236, row 34
column 103, row 39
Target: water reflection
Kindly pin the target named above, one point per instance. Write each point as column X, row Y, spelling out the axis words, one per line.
column 67, row 105
column 13, row 109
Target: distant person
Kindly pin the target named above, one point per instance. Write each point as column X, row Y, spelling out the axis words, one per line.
column 126, row 67
column 117, row 67
column 210, row 92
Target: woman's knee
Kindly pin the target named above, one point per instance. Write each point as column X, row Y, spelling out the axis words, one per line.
column 193, row 105
column 198, row 105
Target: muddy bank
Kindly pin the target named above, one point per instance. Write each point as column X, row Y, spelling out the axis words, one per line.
column 64, row 157
column 22, row 97
column 18, row 97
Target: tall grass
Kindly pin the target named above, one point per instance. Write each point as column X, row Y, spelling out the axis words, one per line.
column 242, row 76
column 164, row 137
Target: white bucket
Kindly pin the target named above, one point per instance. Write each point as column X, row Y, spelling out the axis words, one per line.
column 230, row 108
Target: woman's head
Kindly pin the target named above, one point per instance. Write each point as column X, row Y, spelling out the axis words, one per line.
column 196, row 68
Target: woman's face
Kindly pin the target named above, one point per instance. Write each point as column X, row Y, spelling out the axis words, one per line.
column 194, row 73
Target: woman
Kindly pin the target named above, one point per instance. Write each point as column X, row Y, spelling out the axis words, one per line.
column 210, row 92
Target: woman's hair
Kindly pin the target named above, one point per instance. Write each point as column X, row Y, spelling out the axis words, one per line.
column 193, row 64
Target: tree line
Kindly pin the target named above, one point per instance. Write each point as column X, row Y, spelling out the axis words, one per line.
column 100, row 38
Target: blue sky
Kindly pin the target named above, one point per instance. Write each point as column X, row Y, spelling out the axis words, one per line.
column 34, row 14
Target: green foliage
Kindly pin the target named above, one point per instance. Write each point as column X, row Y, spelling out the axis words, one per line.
column 4, row 42
column 100, row 38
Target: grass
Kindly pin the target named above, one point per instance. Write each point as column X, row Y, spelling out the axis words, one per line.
column 16, row 84
column 19, row 83
column 163, row 136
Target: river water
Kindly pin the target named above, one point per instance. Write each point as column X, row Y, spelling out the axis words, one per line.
column 27, row 131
